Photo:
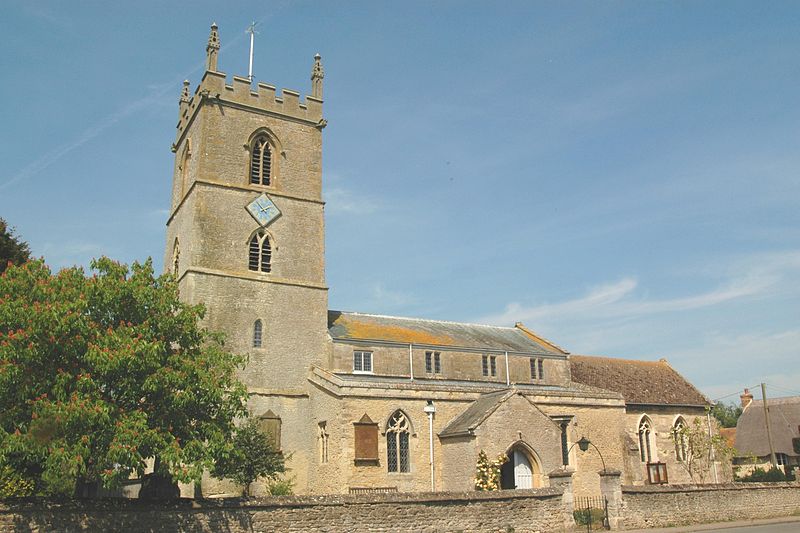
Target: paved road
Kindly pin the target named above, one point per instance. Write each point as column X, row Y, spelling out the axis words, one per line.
column 788, row 524
column 792, row 527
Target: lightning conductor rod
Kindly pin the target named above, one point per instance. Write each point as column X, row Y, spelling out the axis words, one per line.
column 251, row 29
column 769, row 428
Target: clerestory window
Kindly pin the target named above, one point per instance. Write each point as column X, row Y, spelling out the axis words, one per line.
column 433, row 363
column 260, row 259
column 362, row 362
column 261, row 161
column 397, row 435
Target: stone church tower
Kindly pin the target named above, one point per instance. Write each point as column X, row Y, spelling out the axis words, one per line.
column 245, row 235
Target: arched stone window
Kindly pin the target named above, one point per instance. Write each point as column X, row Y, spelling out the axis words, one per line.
column 261, row 160
column 679, row 436
column 260, row 257
column 176, row 258
column 645, row 440
column 398, row 431
column 257, row 333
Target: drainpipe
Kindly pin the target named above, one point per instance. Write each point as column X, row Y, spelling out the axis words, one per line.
column 508, row 377
column 430, row 409
column 411, row 361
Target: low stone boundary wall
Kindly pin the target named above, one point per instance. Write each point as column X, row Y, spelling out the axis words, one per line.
column 513, row 510
column 674, row 505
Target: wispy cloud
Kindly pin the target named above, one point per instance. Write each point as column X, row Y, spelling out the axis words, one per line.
column 156, row 94
column 620, row 299
column 343, row 201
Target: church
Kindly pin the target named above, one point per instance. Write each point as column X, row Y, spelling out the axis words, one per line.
column 370, row 403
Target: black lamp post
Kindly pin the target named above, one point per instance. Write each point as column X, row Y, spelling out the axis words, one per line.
column 583, row 445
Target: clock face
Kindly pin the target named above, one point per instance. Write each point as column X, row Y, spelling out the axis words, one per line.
column 263, row 210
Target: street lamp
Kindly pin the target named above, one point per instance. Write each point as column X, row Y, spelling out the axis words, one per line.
column 583, row 445
column 430, row 409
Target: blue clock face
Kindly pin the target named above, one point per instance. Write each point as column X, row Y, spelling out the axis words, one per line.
column 263, row 210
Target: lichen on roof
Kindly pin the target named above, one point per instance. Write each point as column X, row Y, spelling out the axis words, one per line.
column 357, row 326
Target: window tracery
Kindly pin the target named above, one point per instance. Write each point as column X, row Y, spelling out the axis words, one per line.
column 261, row 161
column 397, row 442
column 645, row 436
column 679, row 435
column 260, row 258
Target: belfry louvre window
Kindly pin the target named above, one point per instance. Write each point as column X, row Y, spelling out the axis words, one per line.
column 260, row 161
column 397, row 433
column 260, row 253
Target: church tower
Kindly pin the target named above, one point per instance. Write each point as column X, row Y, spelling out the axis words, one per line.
column 245, row 235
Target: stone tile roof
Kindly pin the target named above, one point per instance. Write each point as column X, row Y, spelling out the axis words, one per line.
column 639, row 382
column 784, row 418
column 357, row 326
column 476, row 413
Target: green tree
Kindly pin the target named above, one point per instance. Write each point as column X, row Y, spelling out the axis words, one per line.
column 726, row 414
column 12, row 249
column 250, row 457
column 700, row 450
column 100, row 373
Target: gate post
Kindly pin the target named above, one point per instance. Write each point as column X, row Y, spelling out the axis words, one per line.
column 562, row 479
column 611, row 489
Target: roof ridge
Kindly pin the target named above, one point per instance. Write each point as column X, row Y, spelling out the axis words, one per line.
column 423, row 319
column 661, row 361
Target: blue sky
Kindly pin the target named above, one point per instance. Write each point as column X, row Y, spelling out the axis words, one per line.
column 620, row 176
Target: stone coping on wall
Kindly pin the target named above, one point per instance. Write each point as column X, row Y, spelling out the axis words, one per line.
column 21, row 504
column 664, row 489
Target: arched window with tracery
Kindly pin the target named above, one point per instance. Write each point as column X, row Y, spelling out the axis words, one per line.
column 261, row 161
column 257, row 333
column 398, row 431
column 645, row 440
column 681, row 441
column 260, row 258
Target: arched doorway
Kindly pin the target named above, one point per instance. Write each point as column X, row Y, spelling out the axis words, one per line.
column 521, row 471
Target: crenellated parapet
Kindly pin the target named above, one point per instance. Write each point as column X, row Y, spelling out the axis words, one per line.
column 214, row 89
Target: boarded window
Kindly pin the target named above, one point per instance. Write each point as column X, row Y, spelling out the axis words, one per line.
column 270, row 424
column 366, row 441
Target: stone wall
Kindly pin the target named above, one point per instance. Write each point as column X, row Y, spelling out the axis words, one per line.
column 673, row 505
column 519, row 511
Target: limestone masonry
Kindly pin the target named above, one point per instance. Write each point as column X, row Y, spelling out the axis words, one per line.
column 365, row 402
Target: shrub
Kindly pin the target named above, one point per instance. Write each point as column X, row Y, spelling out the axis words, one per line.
column 13, row 484
column 759, row 475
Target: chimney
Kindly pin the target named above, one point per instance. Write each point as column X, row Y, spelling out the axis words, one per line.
column 746, row 398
